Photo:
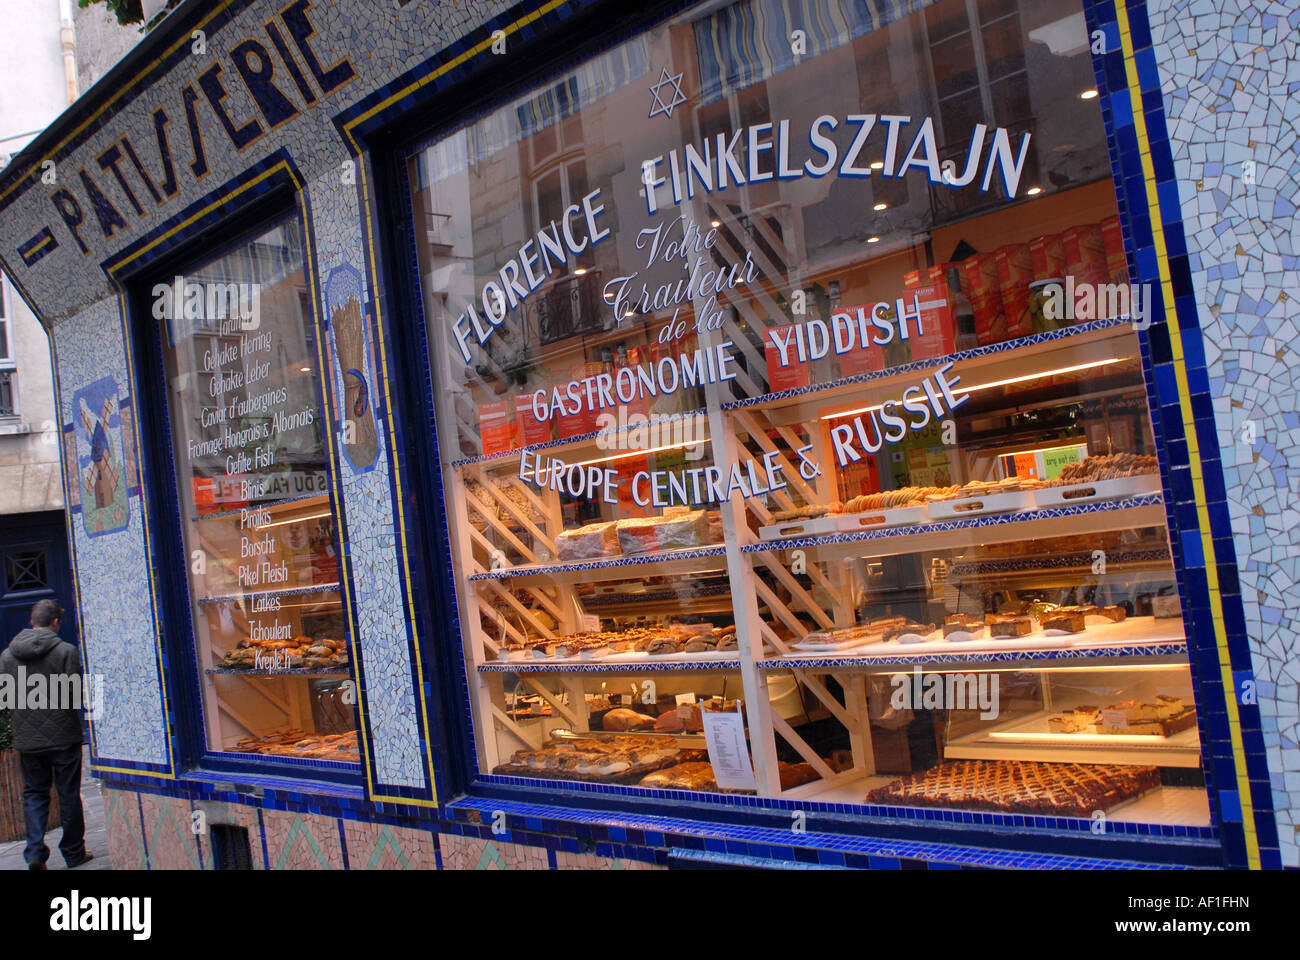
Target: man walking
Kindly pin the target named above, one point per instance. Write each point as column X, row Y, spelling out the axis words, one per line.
column 47, row 734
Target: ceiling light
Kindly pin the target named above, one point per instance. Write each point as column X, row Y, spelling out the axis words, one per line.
column 304, row 369
column 1088, row 95
column 1034, row 191
column 580, row 272
column 995, row 383
column 715, row 223
column 878, row 165
column 880, row 206
column 873, row 239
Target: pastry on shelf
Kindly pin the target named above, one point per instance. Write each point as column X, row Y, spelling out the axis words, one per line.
column 1016, row 786
column 590, row 542
column 626, row 719
column 1063, row 620
column 1009, row 626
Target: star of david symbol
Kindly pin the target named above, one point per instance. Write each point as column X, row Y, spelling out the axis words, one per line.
column 658, row 106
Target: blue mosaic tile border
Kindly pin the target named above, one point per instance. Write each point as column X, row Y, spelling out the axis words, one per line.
column 949, row 655
column 1227, row 771
column 600, row 666
column 635, row 560
column 1065, row 560
column 963, row 523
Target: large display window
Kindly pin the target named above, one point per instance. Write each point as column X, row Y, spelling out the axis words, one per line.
column 792, row 421
column 249, row 446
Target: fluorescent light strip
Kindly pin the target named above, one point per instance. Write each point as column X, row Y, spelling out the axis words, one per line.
column 996, row 383
column 281, row 523
column 636, row 453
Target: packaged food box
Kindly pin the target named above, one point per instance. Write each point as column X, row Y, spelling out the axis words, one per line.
column 938, row 325
column 860, row 358
column 1085, row 254
column 1047, row 257
column 496, row 427
column 1112, row 240
column 981, row 274
column 531, row 430
column 793, row 375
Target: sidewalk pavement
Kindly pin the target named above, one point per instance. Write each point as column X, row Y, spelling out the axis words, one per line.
column 92, row 801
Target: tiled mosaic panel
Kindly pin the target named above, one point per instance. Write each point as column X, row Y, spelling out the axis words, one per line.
column 383, row 41
column 370, row 539
column 586, row 861
column 379, row 846
column 169, row 833
column 118, row 639
column 302, row 841
column 473, row 853
column 1230, row 76
column 126, row 849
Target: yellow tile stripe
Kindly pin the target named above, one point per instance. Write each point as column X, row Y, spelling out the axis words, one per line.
column 1193, row 446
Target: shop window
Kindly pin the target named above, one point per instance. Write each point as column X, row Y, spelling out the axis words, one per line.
column 245, row 407
column 852, row 495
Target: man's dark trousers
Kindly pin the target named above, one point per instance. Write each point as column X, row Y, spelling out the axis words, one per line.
column 60, row 767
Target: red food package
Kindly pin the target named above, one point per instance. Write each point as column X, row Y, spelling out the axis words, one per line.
column 1047, row 255
column 849, row 327
column 1112, row 239
column 981, row 272
column 531, row 430
column 938, row 320
column 495, row 427
column 794, row 374
column 1085, row 254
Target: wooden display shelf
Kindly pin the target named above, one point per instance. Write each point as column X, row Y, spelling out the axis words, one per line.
column 1142, row 511
column 620, row 567
column 1027, row 738
column 1086, row 342
column 1135, row 641
column 726, row 662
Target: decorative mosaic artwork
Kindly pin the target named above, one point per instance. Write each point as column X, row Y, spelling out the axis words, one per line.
column 117, row 624
column 1234, row 145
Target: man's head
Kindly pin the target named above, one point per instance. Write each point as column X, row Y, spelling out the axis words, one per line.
column 47, row 613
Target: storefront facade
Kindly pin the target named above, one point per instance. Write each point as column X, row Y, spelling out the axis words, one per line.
column 750, row 433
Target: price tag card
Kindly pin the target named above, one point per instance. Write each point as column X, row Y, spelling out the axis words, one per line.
column 1116, row 719
column 590, row 623
column 724, row 734
column 685, row 698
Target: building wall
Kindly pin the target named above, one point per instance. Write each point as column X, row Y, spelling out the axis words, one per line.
column 1230, row 74
column 32, row 93
column 101, row 42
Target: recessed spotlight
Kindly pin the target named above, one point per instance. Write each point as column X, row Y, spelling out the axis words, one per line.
column 627, row 313
column 1088, row 95
column 880, row 206
column 715, row 223
column 609, row 296
column 580, row 272
column 873, row 239
column 304, row 369
column 1034, row 191
column 878, row 165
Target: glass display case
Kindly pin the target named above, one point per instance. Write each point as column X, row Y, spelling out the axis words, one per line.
column 252, row 477
column 835, row 409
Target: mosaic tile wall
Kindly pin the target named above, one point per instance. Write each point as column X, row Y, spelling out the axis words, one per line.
column 1230, row 76
column 390, row 693
column 117, row 624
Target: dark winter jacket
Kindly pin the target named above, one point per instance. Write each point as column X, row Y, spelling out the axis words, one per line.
column 40, row 651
